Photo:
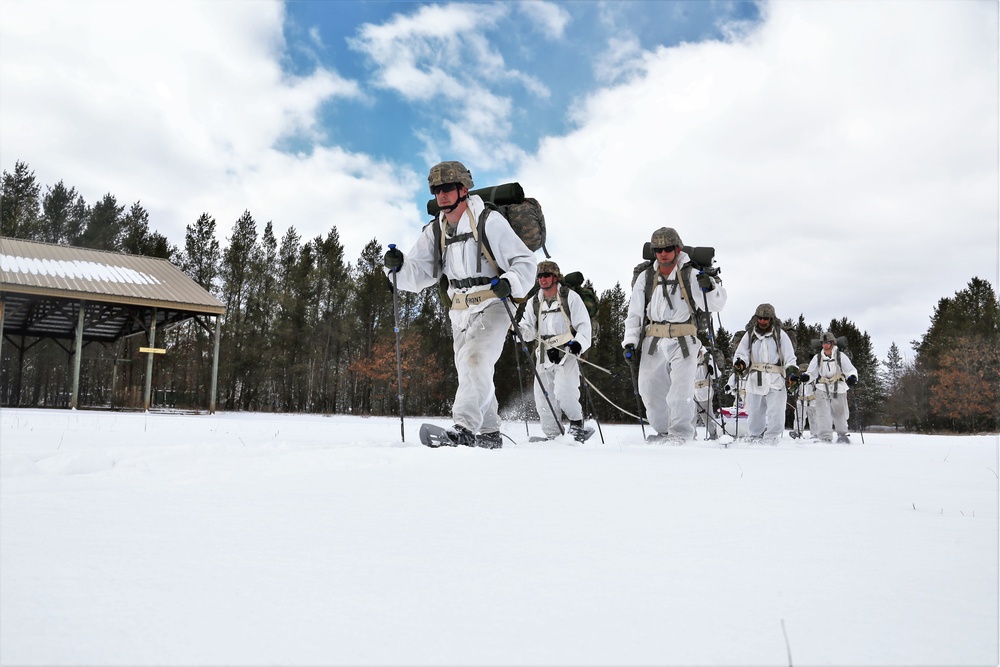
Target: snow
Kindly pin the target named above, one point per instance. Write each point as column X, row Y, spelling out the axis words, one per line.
column 253, row 539
column 75, row 269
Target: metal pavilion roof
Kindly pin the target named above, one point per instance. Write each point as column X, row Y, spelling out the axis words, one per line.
column 42, row 284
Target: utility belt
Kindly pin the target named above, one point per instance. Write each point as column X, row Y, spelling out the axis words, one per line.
column 804, row 399
column 762, row 368
column 671, row 329
column 466, row 283
column 701, row 384
column 556, row 340
column 465, row 300
column 830, row 381
column 678, row 330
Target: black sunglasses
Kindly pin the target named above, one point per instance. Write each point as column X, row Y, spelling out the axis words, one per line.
column 546, row 275
column 447, row 187
column 669, row 248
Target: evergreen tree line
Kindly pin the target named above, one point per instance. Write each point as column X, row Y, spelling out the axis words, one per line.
column 307, row 330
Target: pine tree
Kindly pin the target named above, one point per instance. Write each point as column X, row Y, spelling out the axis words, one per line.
column 64, row 215
column 333, row 288
column 373, row 311
column 957, row 355
column 201, row 257
column 135, row 237
column 893, row 369
column 237, row 266
column 104, row 227
column 19, row 204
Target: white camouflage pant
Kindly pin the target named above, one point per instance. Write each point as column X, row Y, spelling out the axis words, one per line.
column 703, row 411
column 767, row 414
column 477, row 348
column 805, row 412
column 562, row 381
column 666, row 385
column 830, row 411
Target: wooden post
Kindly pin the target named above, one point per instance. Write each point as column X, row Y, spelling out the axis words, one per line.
column 77, row 354
column 149, row 362
column 215, row 365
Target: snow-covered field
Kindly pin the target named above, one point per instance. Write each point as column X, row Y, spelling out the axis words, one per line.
column 259, row 539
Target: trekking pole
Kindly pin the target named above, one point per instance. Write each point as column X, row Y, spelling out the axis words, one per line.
column 638, row 401
column 399, row 362
column 736, row 404
column 524, row 348
column 580, row 359
column 861, row 421
column 520, row 383
column 590, row 401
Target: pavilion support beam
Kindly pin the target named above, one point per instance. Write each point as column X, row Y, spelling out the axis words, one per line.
column 77, row 354
column 215, row 364
column 147, row 395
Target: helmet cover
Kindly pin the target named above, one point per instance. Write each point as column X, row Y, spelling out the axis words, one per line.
column 664, row 237
column 449, row 172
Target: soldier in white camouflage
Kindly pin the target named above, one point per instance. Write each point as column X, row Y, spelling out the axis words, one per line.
column 660, row 328
column 764, row 358
column 560, row 321
column 479, row 321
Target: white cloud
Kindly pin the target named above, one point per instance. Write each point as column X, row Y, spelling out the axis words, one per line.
column 180, row 105
column 550, row 18
column 440, row 56
column 842, row 158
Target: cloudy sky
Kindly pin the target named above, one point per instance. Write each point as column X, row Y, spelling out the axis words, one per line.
column 842, row 157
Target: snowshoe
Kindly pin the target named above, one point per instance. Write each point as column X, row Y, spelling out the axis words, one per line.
column 665, row 439
column 435, row 436
column 539, row 438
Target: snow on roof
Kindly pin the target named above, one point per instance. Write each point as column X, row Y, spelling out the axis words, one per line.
column 28, row 267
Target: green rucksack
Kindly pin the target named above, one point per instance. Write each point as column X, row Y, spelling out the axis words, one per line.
column 571, row 281
column 523, row 213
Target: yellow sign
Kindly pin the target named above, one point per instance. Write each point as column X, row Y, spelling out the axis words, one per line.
column 153, row 350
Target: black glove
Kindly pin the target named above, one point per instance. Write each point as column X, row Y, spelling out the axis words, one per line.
column 852, row 380
column 573, row 347
column 629, row 352
column 705, row 282
column 500, row 287
column 803, row 377
column 740, row 366
column 393, row 259
column 553, row 354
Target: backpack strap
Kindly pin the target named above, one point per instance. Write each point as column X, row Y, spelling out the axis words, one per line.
column 564, row 307
column 652, row 278
column 479, row 233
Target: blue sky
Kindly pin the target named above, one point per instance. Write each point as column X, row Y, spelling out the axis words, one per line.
column 563, row 56
column 841, row 156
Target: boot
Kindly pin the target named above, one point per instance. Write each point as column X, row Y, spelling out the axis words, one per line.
column 580, row 432
column 489, row 440
column 843, row 438
column 461, row 436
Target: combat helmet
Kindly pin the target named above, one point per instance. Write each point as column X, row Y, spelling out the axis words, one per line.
column 765, row 310
column 450, row 171
column 548, row 266
column 665, row 236
column 828, row 337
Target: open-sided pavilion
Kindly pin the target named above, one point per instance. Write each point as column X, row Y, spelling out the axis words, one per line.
column 81, row 295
